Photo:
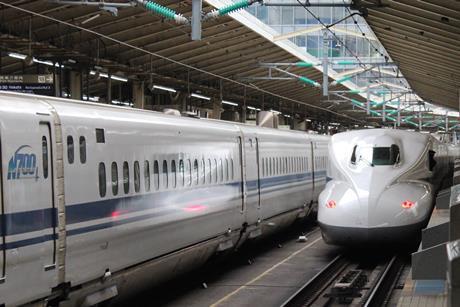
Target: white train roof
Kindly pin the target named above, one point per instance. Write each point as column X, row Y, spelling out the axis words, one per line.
column 69, row 108
column 411, row 144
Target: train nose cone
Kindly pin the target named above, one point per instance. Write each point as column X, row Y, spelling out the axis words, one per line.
column 373, row 216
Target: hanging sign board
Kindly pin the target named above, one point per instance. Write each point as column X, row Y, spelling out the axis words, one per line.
column 31, row 84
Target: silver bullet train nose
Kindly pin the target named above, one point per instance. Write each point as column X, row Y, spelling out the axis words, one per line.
column 349, row 216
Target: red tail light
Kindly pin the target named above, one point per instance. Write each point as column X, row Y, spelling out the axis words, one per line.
column 331, row 204
column 407, row 204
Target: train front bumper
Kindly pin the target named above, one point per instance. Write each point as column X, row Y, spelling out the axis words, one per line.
column 339, row 235
column 360, row 217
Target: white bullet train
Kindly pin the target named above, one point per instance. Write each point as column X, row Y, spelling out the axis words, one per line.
column 382, row 185
column 100, row 201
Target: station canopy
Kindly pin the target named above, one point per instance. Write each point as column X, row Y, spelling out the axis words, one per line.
column 270, row 55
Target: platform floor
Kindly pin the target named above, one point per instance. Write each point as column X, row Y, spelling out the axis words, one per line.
column 271, row 278
column 423, row 293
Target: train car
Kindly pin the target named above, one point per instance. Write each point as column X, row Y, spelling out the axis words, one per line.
column 98, row 201
column 382, row 185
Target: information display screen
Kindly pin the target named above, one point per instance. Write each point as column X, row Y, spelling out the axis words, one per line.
column 31, row 84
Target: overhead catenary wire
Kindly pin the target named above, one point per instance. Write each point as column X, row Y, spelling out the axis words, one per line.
column 305, row 6
column 177, row 62
column 366, row 37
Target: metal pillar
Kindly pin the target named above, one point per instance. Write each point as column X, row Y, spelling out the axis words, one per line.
column 325, row 63
column 75, row 85
column 138, row 94
column 109, row 89
column 196, row 19
column 368, row 100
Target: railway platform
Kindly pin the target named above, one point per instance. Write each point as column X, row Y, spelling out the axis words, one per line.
column 432, row 280
column 266, row 277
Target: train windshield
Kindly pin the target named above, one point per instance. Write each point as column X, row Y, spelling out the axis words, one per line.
column 376, row 155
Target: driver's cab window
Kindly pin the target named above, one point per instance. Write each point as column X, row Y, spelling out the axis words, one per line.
column 375, row 156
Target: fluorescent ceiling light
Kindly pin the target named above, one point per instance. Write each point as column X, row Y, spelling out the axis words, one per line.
column 17, row 55
column 91, row 98
column 119, row 78
column 114, row 77
column 252, row 108
column 285, row 115
column 308, row 120
column 35, row 60
column 164, row 88
column 200, row 96
column 229, row 103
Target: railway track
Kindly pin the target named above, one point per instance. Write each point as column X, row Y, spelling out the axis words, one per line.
column 351, row 280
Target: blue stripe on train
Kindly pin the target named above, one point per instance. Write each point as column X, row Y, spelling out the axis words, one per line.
column 23, row 222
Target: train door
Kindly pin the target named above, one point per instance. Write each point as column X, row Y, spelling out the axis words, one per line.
column 312, row 157
column 47, row 194
column 242, row 174
column 258, row 171
column 28, row 214
column 252, row 179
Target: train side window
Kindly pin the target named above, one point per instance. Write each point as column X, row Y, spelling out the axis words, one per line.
column 226, row 170
column 100, row 137
column 264, row 167
column 45, row 156
column 82, row 143
column 70, row 149
column 147, row 175
column 125, row 177
column 173, row 174
column 114, row 178
column 353, row 155
column 203, row 172
column 137, row 177
column 164, row 176
column 182, row 173
column 188, row 172
column 195, row 172
column 431, row 161
column 232, row 174
column 209, row 172
column 221, row 171
column 156, row 175
column 215, row 171
column 102, row 182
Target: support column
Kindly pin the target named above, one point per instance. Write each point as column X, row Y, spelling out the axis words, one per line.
column 75, row 85
column 243, row 108
column 138, row 94
column 216, row 108
column 109, row 89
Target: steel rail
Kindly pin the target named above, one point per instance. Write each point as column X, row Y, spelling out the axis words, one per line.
column 317, row 284
column 385, row 284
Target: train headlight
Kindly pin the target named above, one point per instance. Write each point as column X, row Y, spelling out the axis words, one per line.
column 331, row 204
column 407, row 204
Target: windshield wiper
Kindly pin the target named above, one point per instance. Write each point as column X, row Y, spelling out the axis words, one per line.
column 365, row 160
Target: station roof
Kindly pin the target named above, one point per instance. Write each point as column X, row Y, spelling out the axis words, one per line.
column 136, row 44
column 228, row 51
column 423, row 37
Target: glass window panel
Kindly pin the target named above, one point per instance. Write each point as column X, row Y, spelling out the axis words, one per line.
column 114, row 178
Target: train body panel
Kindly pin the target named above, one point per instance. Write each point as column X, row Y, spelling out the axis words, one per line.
column 116, row 197
column 383, row 180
